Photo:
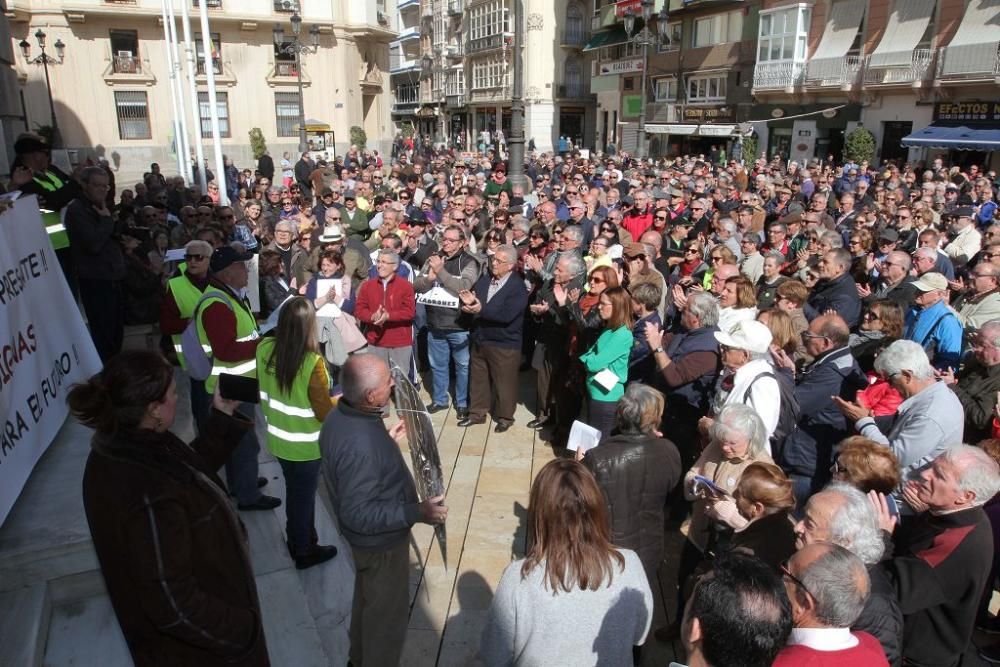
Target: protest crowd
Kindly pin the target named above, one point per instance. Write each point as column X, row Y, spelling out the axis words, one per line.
column 794, row 365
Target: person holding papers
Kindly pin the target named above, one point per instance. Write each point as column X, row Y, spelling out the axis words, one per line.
column 330, row 284
column 607, row 360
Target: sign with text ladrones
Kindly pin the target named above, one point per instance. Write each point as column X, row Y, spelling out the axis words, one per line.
column 44, row 347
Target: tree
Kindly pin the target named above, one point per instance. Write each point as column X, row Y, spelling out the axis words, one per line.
column 358, row 137
column 749, row 154
column 257, row 143
column 859, row 146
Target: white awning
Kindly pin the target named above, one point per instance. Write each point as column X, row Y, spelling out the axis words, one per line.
column 670, row 128
column 716, row 130
column 973, row 49
column 841, row 28
column 907, row 24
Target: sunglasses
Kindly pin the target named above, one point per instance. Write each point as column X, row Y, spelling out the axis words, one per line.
column 194, row 258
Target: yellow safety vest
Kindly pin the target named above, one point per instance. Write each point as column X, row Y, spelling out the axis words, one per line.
column 186, row 296
column 292, row 427
column 246, row 330
column 53, row 220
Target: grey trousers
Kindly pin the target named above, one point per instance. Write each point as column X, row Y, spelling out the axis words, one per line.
column 401, row 356
column 381, row 607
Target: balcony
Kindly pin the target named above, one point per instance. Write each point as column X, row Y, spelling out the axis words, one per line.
column 574, row 38
column 663, row 112
column 286, row 6
column 843, row 73
column 406, row 97
column 127, row 69
column 398, row 64
column 285, row 69
column 407, row 4
column 123, row 64
column 454, row 7
column 212, row 4
column 572, row 91
column 488, row 43
column 912, row 72
column 454, row 101
column 969, row 62
column 454, row 51
column 781, row 75
column 407, row 33
column 121, row 2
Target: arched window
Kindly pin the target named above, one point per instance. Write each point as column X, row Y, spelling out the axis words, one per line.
column 573, row 78
column 574, row 23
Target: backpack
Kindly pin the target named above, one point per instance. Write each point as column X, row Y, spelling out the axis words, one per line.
column 199, row 361
column 788, row 414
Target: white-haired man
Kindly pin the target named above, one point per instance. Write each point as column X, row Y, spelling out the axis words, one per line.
column 944, row 556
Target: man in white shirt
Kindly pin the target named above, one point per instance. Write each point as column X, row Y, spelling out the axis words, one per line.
column 967, row 240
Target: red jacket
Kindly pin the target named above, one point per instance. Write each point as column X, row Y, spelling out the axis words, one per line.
column 636, row 224
column 398, row 299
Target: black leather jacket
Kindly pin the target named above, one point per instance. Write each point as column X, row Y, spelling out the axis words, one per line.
column 636, row 472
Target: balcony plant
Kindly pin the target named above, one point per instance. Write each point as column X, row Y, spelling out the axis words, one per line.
column 859, row 145
column 257, row 143
column 358, row 137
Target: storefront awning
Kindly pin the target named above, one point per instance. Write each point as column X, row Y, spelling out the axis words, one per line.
column 974, row 45
column 670, row 128
column 955, row 138
column 716, row 130
column 610, row 37
column 905, row 29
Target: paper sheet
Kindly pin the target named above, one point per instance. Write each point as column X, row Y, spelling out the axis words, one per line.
column 582, row 438
column 323, row 286
column 329, row 310
column 607, row 379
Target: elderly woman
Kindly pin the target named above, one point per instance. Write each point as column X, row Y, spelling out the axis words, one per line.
column 737, row 302
column 865, row 464
column 764, row 499
column 737, row 439
column 748, row 376
column 636, row 469
column 770, row 280
column 881, row 325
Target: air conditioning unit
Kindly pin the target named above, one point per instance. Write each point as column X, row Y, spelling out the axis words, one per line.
column 382, row 18
column 286, row 5
column 124, row 54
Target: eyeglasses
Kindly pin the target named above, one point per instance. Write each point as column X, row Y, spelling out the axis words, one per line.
column 807, row 335
column 717, row 258
column 194, row 258
column 596, row 280
column 661, row 217
column 785, row 572
column 690, row 251
column 870, row 316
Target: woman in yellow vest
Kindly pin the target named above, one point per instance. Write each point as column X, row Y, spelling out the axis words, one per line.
column 295, row 398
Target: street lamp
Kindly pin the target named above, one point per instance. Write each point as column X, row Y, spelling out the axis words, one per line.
column 298, row 49
column 45, row 60
column 646, row 38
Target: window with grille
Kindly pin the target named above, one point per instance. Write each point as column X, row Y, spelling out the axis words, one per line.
column 222, row 108
column 215, row 47
column 132, row 108
column 783, row 34
column 286, row 112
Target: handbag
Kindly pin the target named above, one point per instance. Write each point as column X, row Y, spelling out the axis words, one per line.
column 353, row 339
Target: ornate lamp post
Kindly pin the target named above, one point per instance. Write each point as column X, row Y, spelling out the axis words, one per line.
column 297, row 48
column 45, row 60
column 646, row 38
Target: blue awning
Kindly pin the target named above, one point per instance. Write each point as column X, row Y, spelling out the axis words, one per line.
column 955, row 138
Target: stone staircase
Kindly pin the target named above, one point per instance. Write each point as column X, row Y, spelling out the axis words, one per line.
column 56, row 611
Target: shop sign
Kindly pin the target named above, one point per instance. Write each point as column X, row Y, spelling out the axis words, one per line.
column 708, row 115
column 979, row 113
column 631, row 105
column 623, row 6
column 620, row 66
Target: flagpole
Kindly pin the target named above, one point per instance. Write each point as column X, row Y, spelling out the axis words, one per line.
column 178, row 137
column 193, row 91
column 213, row 103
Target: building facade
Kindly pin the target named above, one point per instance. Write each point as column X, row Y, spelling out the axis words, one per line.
column 464, row 69
column 889, row 65
column 111, row 84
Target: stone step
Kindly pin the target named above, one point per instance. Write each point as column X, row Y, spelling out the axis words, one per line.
column 24, row 625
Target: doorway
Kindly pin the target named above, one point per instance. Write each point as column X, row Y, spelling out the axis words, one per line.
column 892, row 136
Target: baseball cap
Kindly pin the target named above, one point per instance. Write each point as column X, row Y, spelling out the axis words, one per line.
column 749, row 335
column 931, row 281
column 226, row 256
column 29, row 142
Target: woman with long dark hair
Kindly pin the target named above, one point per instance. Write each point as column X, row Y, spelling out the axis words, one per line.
column 572, row 574
column 295, row 398
column 173, row 552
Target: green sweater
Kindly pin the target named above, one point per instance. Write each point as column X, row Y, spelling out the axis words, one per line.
column 611, row 351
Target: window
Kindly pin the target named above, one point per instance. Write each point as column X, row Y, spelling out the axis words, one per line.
column 783, row 34
column 702, row 89
column 717, row 29
column 132, row 108
column 286, row 112
column 674, row 33
column 666, row 90
column 455, row 83
column 574, row 24
column 125, row 51
column 488, row 19
column 489, row 73
column 215, row 47
column 573, row 78
column 284, row 63
column 620, row 51
column 628, row 83
column 222, row 108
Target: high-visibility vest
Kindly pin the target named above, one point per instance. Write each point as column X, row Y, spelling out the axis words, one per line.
column 246, row 330
column 186, row 296
column 53, row 220
column 292, row 427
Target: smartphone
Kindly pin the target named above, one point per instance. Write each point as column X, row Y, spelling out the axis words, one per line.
column 893, row 506
column 708, row 485
column 239, row 388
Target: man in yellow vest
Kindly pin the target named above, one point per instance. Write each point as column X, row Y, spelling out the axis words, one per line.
column 177, row 308
column 34, row 174
column 228, row 327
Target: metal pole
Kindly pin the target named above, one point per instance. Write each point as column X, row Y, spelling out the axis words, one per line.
column 213, row 104
column 178, row 140
column 641, row 148
column 193, row 87
column 515, row 142
column 182, row 114
column 52, row 104
column 303, row 145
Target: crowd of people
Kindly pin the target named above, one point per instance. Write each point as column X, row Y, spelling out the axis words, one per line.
column 785, row 357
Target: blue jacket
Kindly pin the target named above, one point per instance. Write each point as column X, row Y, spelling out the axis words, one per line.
column 696, row 395
column 938, row 331
column 808, row 449
column 839, row 294
column 501, row 321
